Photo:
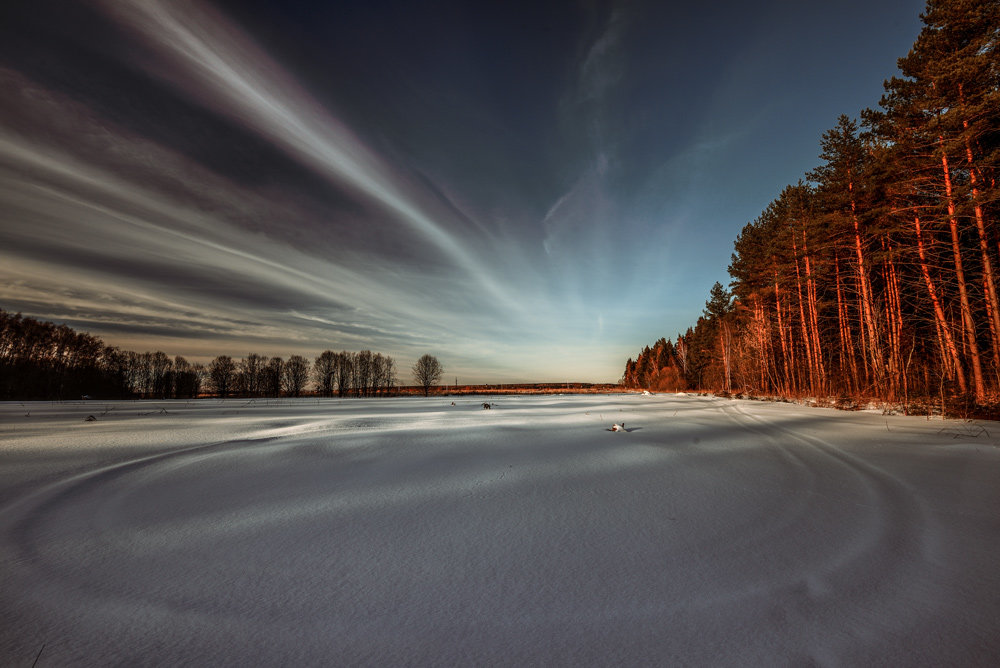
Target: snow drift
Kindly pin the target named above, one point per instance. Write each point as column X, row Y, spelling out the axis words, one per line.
column 384, row 532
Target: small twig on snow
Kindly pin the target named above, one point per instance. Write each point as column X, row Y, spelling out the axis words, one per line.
column 38, row 656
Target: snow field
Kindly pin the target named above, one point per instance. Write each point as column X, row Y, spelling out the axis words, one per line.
column 408, row 530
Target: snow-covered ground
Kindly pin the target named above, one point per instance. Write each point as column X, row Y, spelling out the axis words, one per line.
column 411, row 531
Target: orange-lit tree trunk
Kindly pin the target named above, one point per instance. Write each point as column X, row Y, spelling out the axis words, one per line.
column 944, row 330
column 893, row 320
column 869, row 338
column 762, row 342
column 813, row 314
column 781, row 335
column 993, row 333
column 725, row 343
column 806, row 337
column 848, row 362
column 990, row 290
column 968, row 323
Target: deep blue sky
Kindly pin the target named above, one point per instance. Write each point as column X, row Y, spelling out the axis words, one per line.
column 529, row 191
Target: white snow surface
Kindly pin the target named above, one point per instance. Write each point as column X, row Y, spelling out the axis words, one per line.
column 410, row 531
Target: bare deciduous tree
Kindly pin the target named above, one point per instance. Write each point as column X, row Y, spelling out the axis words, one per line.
column 385, row 373
column 48, row 361
column 296, row 373
column 323, row 372
column 427, row 371
column 251, row 374
column 344, row 372
column 274, row 376
column 187, row 378
column 221, row 374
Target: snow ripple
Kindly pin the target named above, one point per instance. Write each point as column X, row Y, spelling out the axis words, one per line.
column 409, row 532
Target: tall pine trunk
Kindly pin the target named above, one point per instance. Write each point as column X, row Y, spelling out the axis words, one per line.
column 813, row 315
column 804, row 324
column 968, row 323
column 870, row 338
column 848, row 362
column 893, row 320
column 990, row 290
column 785, row 354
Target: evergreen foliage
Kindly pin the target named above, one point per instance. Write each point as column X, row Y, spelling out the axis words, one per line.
column 876, row 276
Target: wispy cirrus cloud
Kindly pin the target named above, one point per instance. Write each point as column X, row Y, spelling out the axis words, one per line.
column 528, row 190
column 212, row 60
column 109, row 231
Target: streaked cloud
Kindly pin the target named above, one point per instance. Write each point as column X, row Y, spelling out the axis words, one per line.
column 227, row 72
column 530, row 194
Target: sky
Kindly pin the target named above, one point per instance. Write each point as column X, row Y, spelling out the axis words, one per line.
column 528, row 191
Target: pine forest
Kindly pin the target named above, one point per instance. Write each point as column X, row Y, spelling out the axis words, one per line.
column 875, row 275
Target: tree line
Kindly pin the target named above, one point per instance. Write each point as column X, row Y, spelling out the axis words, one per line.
column 42, row 360
column 876, row 274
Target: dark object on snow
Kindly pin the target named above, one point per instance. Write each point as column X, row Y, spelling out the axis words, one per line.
column 90, row 418
column 487, row 406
